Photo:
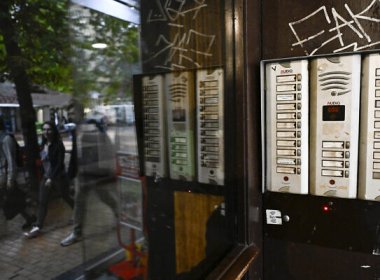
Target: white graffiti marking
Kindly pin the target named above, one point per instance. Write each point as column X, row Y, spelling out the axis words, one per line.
column 301, row 21
column 178, row 50
column 336, row 27
column 172, row 10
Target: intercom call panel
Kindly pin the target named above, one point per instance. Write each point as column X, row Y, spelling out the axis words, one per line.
column 184, row 125
column 154, row 126
column 210, row 140
column 287, row 110
column 369, row 168
column 334, row 123
column 180, row 114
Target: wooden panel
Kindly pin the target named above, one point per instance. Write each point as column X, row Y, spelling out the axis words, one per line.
column 181, row 34
column 299, row 28
column 192, row 212
column 160, row 230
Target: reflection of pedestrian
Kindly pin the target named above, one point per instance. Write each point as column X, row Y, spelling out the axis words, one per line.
column 12, row 200
column 96, row 161
column 53, row 157
column 62, row 122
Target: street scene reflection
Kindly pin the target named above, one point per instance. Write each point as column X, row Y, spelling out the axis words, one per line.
column 70, row 192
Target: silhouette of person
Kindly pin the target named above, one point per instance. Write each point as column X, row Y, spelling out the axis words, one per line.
column 218, row 243
column 53, row 161
column 96, row 167
column 12, row 199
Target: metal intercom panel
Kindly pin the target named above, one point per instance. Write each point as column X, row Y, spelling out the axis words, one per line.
column 369, row 163
column 210, row 126
column 180, row 105
column 334, row 125
column 287, row 135
column 154, row 126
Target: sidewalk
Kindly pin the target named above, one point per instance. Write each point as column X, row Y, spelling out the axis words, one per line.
column 43, row 257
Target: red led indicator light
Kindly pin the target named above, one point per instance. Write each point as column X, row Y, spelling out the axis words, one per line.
column 328, row 207
column 286, row 178
column 332, row 182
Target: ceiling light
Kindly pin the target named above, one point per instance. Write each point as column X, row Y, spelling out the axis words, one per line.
column 365, row 266
column 99, row 45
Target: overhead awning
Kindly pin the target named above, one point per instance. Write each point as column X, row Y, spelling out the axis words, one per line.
column 8, row 97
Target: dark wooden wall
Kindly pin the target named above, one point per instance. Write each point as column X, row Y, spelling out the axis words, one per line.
column 317, row 246
column 181, row 34
column 187, row 231
column 237, row 35
column 301, row 28
column 253, row 54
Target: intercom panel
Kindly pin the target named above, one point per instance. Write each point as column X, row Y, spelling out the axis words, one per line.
column 334, row 125
column 369, row 168
column 287, row 123
column 154, row 126
column 180, row 105
column 210, row 127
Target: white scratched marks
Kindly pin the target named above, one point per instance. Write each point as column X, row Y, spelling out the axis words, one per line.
column 336, row 26
column 178, row 49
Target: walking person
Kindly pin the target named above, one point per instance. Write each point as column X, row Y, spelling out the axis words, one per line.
column 52, row 156
column 12, row 199
column 96, row 162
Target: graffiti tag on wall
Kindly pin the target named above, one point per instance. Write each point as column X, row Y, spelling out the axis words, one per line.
column 184, row 47
column 333, row 27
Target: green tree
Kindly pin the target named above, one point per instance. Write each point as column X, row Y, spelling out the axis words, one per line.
column 41, row 32
column 29, row 55
column 107, row 71
column 49, row 43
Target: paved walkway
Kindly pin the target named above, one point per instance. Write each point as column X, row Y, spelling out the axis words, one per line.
column 43, row 257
